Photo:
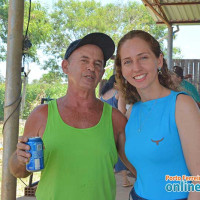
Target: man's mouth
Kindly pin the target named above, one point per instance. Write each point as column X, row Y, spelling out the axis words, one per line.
column 89, row 77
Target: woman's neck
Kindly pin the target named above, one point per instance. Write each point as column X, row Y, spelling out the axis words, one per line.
column 150, row 94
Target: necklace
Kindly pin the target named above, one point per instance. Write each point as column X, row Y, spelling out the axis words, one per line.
column 141, row 122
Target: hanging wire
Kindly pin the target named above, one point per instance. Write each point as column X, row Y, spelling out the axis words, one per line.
column 23, row 182
column 18, row 101
column 26, row 46
column 27, row 43
column 29, row 17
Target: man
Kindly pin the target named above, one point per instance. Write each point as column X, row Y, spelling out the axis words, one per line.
column 80, row 133
column 187, row 86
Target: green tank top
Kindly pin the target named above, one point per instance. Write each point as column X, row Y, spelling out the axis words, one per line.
column 78, row 162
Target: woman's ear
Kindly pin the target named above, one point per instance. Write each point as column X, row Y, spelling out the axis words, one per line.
column 65, row 64
column 160, row 61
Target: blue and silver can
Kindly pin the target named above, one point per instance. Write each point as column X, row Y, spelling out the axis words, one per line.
column 36, row 161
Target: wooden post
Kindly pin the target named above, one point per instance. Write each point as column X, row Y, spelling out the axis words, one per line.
column 12, row 94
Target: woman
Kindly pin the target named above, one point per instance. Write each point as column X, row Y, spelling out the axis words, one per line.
column 110, row 95
column 163, row 130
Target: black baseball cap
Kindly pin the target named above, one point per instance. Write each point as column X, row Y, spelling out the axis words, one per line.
column 103, row 41
column 178, row 71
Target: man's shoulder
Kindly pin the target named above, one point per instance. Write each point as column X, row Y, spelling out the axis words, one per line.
column 36, row 122
column 41, row 110
column 118, row 117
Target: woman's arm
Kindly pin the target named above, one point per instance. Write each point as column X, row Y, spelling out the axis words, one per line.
column 188, row 123
column 121, row 103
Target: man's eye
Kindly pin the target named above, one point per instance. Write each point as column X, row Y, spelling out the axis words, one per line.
column 143, row 57
column 98, row 64
column 84, row 61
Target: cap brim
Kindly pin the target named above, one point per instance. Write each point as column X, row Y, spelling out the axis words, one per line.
column 103, row 41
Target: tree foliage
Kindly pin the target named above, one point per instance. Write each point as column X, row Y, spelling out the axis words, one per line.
column 38, row 31
column 39, row 28
column 52, row 32
column 37, row 91
column 3, row 27
column 72, row 19
column 51, row 78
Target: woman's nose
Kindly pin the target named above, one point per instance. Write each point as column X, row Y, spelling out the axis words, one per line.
column 136, row 65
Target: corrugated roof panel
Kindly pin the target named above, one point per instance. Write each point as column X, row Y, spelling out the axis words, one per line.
column 176, row 12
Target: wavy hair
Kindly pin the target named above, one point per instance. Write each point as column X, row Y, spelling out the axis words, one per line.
column 129, row 91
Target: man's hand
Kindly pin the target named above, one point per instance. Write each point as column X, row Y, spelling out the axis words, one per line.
column 22, row 155
column 19, row 158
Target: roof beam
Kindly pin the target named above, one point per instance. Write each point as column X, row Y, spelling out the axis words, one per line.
column 181, row 22
column 161, row 10
column 176, row 4
column 146, row 3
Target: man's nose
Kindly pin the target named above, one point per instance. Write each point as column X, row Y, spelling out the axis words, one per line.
column 90, row 66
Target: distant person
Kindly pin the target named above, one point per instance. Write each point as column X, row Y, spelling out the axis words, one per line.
column 101, row 84
column 163, row 129
column 187, row 86
column 110, row 95
column 81, row 134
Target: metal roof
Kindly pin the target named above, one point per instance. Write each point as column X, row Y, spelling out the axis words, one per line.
column 178, row 12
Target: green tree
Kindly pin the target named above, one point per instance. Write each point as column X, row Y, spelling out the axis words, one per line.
column 3, row 28
column 51, row 78
column 37, row 91
column 38, row 31
column 72, row 19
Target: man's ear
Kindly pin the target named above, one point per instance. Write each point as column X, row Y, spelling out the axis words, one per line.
column 65, row 64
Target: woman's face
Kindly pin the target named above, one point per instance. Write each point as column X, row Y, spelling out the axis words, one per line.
column 139, row 63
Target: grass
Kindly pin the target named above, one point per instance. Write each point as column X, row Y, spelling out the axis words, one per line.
column 21, row 184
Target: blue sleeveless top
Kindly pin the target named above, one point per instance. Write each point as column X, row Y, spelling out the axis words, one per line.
column 153, row 147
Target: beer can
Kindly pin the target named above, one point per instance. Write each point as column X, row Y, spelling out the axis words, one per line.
column 36, row 161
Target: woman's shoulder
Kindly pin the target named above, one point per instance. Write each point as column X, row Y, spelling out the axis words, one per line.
column 185, row 103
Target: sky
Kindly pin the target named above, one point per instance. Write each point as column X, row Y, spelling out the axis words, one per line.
column 187, row 39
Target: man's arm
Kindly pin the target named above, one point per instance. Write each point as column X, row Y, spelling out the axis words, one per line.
column 34, row 127
column 119, row 123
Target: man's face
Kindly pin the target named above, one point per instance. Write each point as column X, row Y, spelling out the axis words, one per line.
column 85, row 67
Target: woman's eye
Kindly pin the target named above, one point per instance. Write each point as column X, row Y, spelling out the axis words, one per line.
column 127, row 62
